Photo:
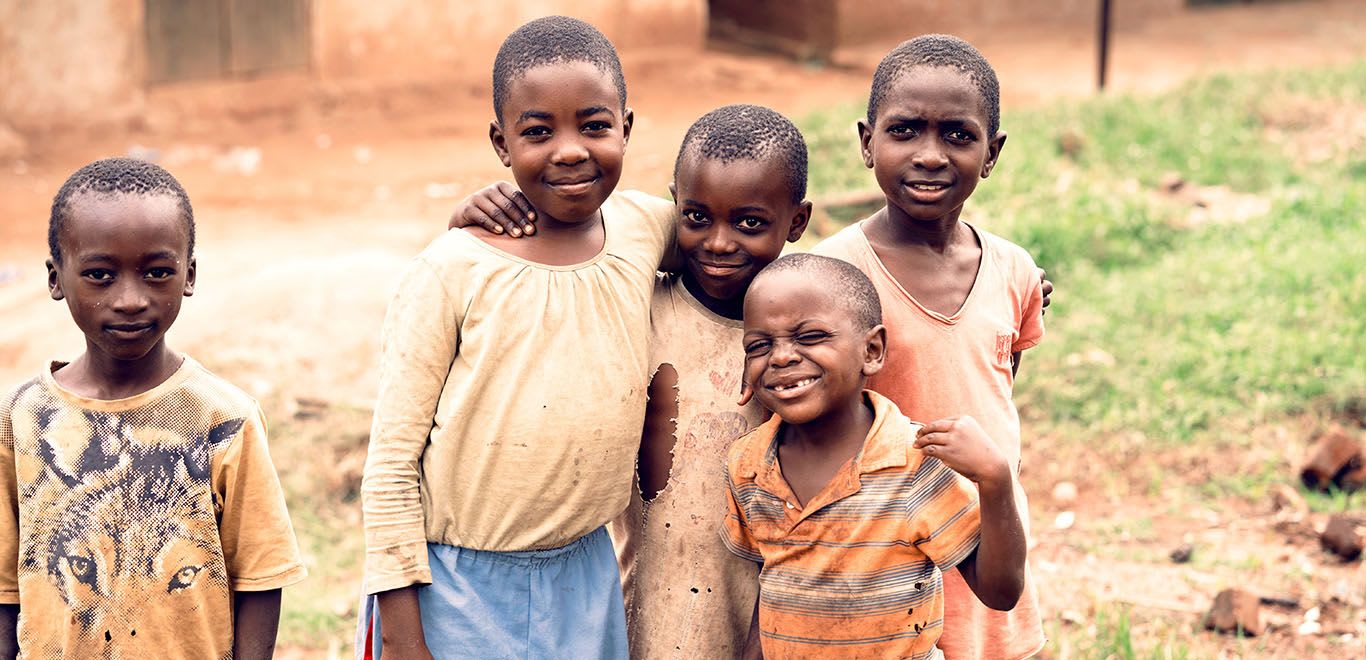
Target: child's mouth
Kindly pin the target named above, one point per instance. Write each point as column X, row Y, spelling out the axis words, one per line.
column 572, row 188
column 794, row 388
column 927, row 191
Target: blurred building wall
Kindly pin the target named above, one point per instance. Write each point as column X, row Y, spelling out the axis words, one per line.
column 858, row 20
column 84, row 63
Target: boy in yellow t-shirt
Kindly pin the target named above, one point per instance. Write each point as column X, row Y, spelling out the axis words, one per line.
column 139, row 510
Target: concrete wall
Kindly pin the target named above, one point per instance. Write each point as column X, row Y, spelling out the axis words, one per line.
column 65, row 62
column 82, row 63
column 437, row 39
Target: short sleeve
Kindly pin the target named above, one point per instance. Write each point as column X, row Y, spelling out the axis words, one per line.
column 948, row 523
column 418, row 344
column 735, row 532
column 9, row 513
column 259, row 547
column 1031, row 307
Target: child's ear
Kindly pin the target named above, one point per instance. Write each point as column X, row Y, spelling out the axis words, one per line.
column 799, row 222
column 875, row 349
column 673, row 191
column 190, row 271
column 628, row 119
column 54, row 282
column 865, row 142
column 993, row 152
column 500, row 143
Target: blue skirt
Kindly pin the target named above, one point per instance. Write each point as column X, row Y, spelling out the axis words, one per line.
column 559, row 603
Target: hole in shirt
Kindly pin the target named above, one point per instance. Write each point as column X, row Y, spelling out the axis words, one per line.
column 655, row 466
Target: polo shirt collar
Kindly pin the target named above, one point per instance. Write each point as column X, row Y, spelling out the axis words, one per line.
column 887, row 444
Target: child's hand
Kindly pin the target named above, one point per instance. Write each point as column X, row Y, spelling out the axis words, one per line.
column 1047, row 290
column 962, row 445
column 499, row 208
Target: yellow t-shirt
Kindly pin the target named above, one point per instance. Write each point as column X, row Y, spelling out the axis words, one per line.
column 511, row 395
column 126, row 525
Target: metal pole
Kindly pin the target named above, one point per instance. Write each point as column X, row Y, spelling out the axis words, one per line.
column 1104, row 42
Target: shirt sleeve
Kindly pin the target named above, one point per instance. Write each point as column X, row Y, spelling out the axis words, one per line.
column 1031, row 307
column 418, row 344
column 259, row 547
column 735, row 528
column 9, row 513
column 947, row 526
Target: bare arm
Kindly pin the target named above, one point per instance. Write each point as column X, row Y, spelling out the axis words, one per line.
column 1015, row 363
column 256, row 620
column 9, row 632
column 401, row 625
column 995, row 570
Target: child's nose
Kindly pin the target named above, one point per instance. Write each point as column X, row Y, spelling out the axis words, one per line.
column 129, row 298
column 718, row 242
column 569, row 151
column 784, row 353
column 931, row 156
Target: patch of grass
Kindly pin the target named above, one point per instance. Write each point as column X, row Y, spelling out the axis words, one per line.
column 1112, row 636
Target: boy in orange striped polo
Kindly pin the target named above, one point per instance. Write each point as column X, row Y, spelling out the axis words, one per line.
column 853, row 510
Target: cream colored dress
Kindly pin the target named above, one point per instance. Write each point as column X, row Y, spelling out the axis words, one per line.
column 687, row 596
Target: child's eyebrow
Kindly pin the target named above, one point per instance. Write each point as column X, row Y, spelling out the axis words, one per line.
column 91, row 258
column 534, row 114
column 163, row 254
column 588, row 112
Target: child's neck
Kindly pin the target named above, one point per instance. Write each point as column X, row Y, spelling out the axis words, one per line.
column 96, row 375
column 812, row 454
column 840, row 431
column 555, row 243
column 894, row 226
column 731, row 309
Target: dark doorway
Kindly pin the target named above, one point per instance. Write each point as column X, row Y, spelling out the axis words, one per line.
column 197, row 39
column 805, row 29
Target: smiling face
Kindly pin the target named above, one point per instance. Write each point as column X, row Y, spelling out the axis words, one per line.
column 124, row 270
column 563, row 132
column 806, row 356
column 733, row 220
column 929, row 144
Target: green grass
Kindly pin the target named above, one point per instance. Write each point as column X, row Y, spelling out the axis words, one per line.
column 1212, row 329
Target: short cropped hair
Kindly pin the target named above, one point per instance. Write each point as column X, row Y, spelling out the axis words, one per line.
column 748, row 132
column 938, row 50
column 111, row 176
column 553, row 40
column 835, row 275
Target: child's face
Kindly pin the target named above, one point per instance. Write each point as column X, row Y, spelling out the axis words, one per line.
column 929, row 145
column 734, row 219
column 805, row 355
column 124, row 271
column 563, row 132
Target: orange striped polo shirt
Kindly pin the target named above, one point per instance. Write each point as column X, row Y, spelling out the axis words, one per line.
column 855, row 573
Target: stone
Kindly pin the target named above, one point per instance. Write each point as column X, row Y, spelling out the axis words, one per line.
column 1335, row 455
column 1341, row 538
column 1235, row 611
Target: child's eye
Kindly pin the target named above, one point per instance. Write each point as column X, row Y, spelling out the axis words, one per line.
column 160, row 274
column 901, row 130
column 98, row 275
column 959, row 135
column 751, row 224
column 694, row 217
column 597, row 126
column 757, row 347
column 813, row 337
column 536, row 131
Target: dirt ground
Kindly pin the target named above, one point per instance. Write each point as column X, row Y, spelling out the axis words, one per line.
column 306, row 216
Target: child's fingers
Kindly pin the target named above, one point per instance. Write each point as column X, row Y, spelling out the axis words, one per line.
column 938, row 426
column 518, row 207
column 489, row 214
column 745, row 393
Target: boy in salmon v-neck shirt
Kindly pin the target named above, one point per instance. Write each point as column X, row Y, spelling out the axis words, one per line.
column 960, row 304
